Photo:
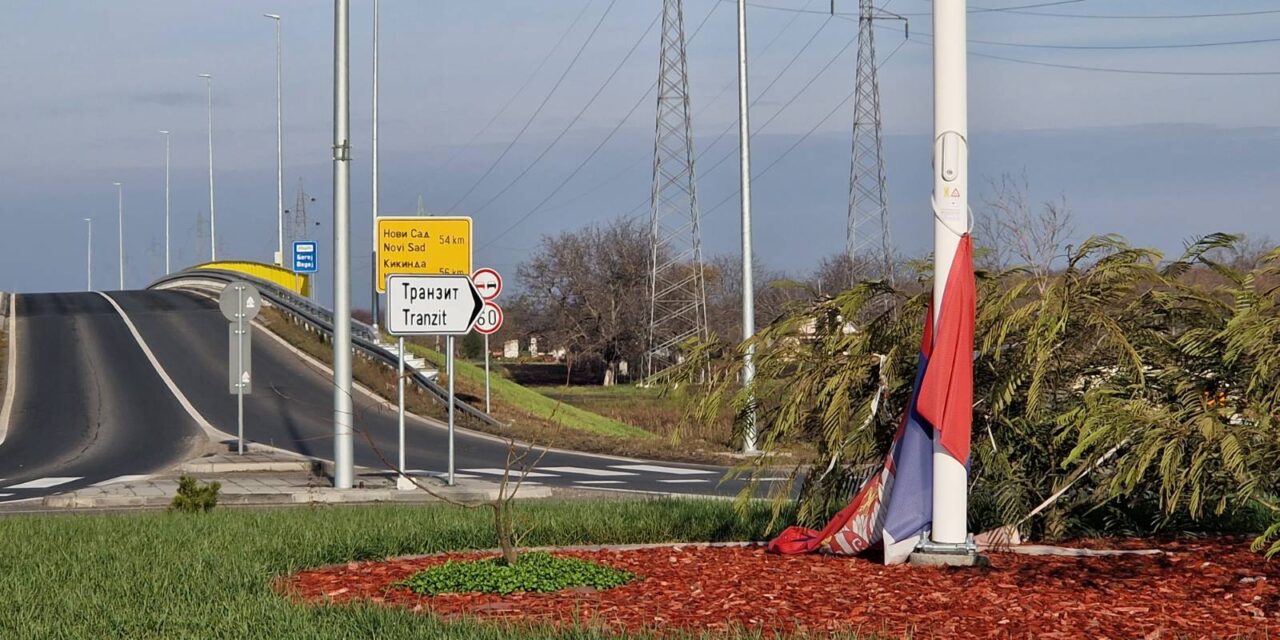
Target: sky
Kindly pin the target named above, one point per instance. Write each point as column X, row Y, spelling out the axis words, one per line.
column 86, row 84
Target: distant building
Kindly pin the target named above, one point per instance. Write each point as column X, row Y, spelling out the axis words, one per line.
column 511, row 349
column 533, row 346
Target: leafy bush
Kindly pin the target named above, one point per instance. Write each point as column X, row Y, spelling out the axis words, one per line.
column 534, row 572
column 1118, row 385
column 194, row 497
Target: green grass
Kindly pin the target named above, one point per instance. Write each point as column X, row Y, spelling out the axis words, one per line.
column 158, row 575
column 528, row 400
column 533, row 572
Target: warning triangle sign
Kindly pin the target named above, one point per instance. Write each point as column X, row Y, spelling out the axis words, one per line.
column 244, row 378
column 955, row 193
column 249, row 304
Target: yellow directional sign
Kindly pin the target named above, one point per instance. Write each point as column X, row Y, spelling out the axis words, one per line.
column 422, row 246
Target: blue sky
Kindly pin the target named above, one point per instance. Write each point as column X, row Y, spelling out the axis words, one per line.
column 1157, row 158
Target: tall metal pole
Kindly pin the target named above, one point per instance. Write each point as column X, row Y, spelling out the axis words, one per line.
column 279, row 149
column 374, row 161
column 120, row 227
column 213, row 224
column 748, row 291
column 88, row 260
column 951, row 218
column 342, row 416
column 167, row 270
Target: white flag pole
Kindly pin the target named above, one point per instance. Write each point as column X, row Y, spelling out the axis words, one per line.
column 951, row 220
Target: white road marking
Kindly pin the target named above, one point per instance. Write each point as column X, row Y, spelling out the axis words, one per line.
column 5, row 495
column 119, row 479
column 653, row 468
column 514, row 474
column 440, row 474
column 685, row 481
column 164, row 375
column 588, row 472
column 45, row 483
column 597, row 482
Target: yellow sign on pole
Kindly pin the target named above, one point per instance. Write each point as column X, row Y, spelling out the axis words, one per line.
column 422, row 246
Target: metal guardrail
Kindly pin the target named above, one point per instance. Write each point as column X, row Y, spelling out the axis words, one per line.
column 5, row 300
column 363, row 338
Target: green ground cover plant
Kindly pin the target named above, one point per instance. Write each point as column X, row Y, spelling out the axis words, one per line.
column 152, row 575
column 538, row 571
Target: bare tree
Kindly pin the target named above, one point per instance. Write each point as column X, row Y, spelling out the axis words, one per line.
column 588, row 291
column 518, row 466
column 1011, row 228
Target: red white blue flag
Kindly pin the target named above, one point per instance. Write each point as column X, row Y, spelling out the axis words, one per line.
column 895, row 506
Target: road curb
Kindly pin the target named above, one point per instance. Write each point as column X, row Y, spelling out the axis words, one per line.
column 313, row 495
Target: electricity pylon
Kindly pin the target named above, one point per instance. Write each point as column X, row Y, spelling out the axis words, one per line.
column 868, row 243
column 678, row 297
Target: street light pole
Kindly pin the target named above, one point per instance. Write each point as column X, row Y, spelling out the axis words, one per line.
column 120, row 226
column 950, row 221
column 213, row 225
column 342, row 415
column 167, row 270
column 748, row 292
column 374, row 161
column 279, row 149
column 88, row 260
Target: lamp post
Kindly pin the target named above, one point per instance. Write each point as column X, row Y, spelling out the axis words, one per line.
column 88, row 259
column 213, row 225
column 374, row 162
column 951, row 218
column 279, row 149
column 167, row 270
column 342, row 417
column 748, row 292
column 120, row 226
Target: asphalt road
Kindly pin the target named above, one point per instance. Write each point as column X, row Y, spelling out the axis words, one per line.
column 88, row 406
column 91, row 406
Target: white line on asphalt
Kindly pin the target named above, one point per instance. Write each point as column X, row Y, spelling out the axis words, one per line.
column 5, row 495
column 119, row 479
column 596, row 482
column 588, row 472
column 45, row 483
column 440, row 474
column 208, row 428
column 685, row 481
column 11, row 380
column 514, row 474
column 653, row 468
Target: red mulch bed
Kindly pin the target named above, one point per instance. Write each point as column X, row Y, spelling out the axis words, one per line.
column 1201, row 589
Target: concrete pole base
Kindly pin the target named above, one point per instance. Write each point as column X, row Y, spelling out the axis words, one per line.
column 404, row 484
column 936, row 559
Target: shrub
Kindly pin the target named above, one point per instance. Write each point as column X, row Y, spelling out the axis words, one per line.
column 194, row 497
column 534, row 572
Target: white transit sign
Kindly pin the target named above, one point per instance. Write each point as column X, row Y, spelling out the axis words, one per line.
column 431, row 305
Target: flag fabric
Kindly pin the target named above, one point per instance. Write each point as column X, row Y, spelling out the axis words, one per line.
column 895, row 506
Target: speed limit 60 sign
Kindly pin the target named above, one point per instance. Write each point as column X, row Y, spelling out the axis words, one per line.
column 489, row 320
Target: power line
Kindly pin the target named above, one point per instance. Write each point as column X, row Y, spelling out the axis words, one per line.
column 1086, row 47
column 770, row 7
column 1121, row 70
column 538, row 111
column 528, row 79
column 574, row 121
column 1175, row 16
column 599, row 146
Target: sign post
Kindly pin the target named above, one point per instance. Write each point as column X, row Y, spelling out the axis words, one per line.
column 240, row 303
column 415, row 245
column 433, row 305
column 489, row 283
